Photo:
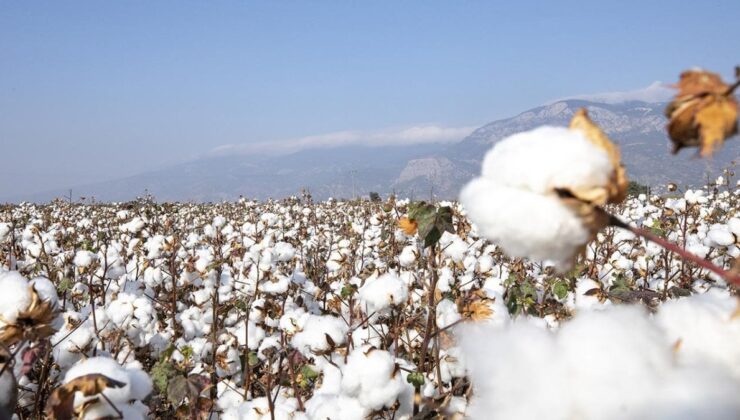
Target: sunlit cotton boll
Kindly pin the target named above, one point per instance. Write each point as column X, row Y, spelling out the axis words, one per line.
column 380, row 293
column 514, row 202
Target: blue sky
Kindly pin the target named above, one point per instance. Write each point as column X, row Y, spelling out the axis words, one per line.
column 93, row 90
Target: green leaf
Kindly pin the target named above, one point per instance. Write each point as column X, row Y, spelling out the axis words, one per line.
column 64, row 285
column 620, row 284
column 348, row 291
column 308, row 372
column 253, row 359
column 560, row 289
column 187, row 352
column 161, row 374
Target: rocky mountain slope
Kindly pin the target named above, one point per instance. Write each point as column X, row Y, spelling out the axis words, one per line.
column 638, row 128
column 417, row 171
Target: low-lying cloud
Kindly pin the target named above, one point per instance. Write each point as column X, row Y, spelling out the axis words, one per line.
column 419, row 134
column 655, row 92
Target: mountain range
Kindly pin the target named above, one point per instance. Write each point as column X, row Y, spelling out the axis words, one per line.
column 417, row 171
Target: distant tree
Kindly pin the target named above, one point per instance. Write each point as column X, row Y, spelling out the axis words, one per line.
column 375, row 197
column 635, row 188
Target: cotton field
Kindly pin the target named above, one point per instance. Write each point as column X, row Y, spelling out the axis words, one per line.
column 297, row 309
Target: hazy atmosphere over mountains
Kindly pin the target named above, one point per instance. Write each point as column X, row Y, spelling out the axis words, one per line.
column 343, row 165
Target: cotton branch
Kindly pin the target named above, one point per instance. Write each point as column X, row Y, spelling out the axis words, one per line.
column 729, row 277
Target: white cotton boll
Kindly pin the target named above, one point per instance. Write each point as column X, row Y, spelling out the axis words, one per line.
column 154, row 246
column 453, row 247
column 327, row 406
column 137, row 383
column 514, row 203
column 452, row 364
column 447, row 313
column 678, row 205
column 249, row 333
column 695, row 197
column 313, row 335
column 218, row 221
column 15, row 297
column 545, row 158
column 615, row 358
column 283, row 251
column 485, row 264
column 523, row 223
column 380, row 293
column 230, row 395
column 293, row 320
column 372, row 335
column 371, row 376
column 705, row 327
column 445, row 279
column 610, row 364
column 4, row 231
column 276, row 286
column 134, row 226
column 585, row 301
column 84, row 258
column 734, row 225
column 45, row 290
column 408, row 256
column 510, row 366
column 719, row 236
column 259, row 409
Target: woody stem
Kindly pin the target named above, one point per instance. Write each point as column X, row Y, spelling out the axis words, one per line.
column 683, row 253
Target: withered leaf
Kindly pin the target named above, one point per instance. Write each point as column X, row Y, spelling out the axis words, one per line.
column 190, row 387
column 60, row 405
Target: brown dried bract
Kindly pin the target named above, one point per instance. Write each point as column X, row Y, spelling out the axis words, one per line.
column 33, row 323
column 407, row 225
column 704, row 112
column 616, row 191
column 61, row 401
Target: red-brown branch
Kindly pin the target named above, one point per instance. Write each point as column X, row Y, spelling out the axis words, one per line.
column 683, row 253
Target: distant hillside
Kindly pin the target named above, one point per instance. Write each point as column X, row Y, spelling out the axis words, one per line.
column 638, row 127
column 410, row 171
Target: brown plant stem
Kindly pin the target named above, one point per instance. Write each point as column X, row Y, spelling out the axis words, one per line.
column 683, row 253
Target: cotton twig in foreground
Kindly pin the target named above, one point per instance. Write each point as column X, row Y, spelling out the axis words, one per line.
column 701, row 262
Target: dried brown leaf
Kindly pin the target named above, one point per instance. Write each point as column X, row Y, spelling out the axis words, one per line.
column 703, row 114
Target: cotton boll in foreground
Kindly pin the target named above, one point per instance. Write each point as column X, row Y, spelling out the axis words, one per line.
column 525, row 224
column 537, row 192
column 547, row 158
column 704, row 329
column 609, row 364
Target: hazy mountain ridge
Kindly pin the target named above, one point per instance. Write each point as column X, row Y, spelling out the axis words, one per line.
column 417, row 171
column 638, row 127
